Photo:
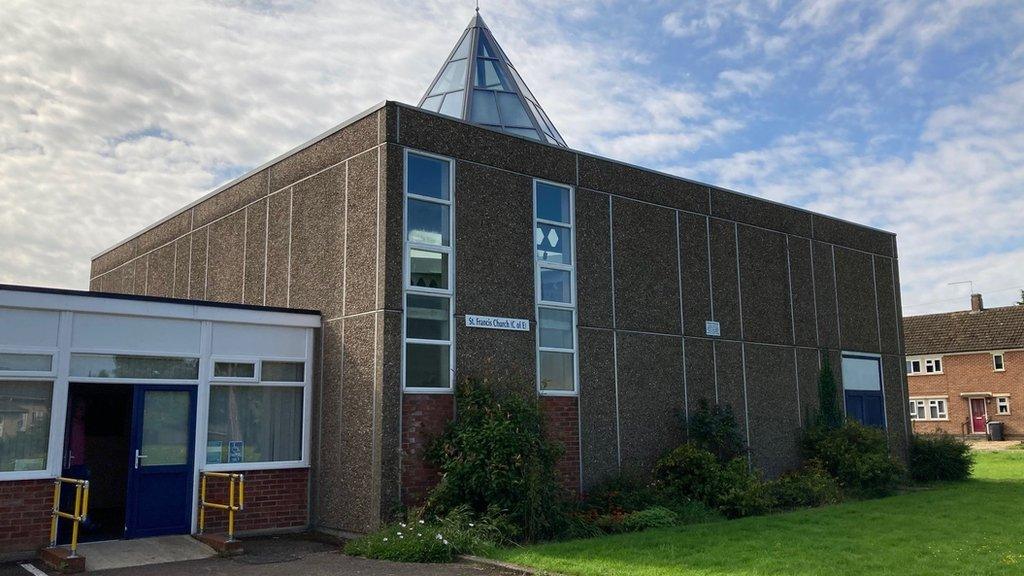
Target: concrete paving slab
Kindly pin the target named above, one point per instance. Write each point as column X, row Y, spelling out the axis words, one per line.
column 130, row 553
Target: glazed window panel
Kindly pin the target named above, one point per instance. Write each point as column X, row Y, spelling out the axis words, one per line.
column 1002, row 405
column 554, row 265
column 134, row 367
column 428, row 269
column 24, row 425
column 272, row 371
column 427, row 366
column 26, row 362
column 997, row 362
column 254, row 424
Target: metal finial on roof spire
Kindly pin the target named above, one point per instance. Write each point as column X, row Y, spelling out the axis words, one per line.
column 479, row 84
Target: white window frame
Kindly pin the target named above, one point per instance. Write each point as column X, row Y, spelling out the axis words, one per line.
column 1002, row 362
column 408, row 288
column 923, row 363
column 926, row 403
column 214, row 360
column 539, row 303
column 1001, row 403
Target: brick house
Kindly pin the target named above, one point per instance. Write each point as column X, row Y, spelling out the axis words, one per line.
column 965, row 369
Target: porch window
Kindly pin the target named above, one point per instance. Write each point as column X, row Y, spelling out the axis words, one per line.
column 24, row 425
column 134, row 367
column 26, row 362
column 254, row 424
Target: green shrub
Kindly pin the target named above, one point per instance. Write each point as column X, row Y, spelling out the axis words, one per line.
column 855, row 455
column 620, row 494
column 810, row 486
column 830, row 414
column 693, row 473
column 656, row 517
column 495, row 455
column 688, row 473
column 940, row 457
column 714, row 428
column 740, row 492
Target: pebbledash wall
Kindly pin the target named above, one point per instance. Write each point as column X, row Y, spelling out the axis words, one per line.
column 656, row 257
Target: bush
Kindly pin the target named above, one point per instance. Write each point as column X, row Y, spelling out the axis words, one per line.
column 855, row 455
column 693, row 473
column 830, row 414
column 940, row 457
column 495, row 455
column 714, row 428
column 810, row 486
column 620, row 494
column 418, row 540
column 656, row 517
column 688, row 473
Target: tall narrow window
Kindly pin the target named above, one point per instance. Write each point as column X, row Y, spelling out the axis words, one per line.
column 555, row 288
column 428, row 327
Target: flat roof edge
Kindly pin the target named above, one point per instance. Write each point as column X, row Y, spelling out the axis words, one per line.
column 651, row 170
column 159, row 299
column 330, row 131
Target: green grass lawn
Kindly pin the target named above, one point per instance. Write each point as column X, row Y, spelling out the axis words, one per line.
column 974, row 527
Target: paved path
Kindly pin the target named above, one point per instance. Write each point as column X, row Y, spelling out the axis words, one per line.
column 287, row 556
column 990, row 446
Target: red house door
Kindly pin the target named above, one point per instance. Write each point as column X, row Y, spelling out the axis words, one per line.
column 978, row 419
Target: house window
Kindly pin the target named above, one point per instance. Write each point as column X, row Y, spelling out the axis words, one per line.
column 234, row 370
column 553, row 235
column 913, row 367
column 24, row 425
column 928, row 409
column 428, row 326
column 1003, row 405
column 253, row 423
column 997, row 362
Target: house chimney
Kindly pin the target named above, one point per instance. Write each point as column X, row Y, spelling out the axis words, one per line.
column 976, row 303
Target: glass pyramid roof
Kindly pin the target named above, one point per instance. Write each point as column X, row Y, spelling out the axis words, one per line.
column 479, row 84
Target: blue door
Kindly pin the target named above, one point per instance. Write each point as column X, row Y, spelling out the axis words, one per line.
column 862, row 387
column 161, row 461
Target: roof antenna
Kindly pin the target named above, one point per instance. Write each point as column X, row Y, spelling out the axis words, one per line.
column 971, row 282
column 477, row 6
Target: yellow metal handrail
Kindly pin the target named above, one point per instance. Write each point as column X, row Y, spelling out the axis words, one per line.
column 231, row 506
column 80, row 514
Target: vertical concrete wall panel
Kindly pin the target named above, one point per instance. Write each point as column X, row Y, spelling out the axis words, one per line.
column 160, row 272
column 764, row 280
column 858, row 315
column 278, row 248
column 825, row 291
column 361, row 235
column 393, row 227
column 598, row 428
column 650, row 375
column 729, row 363
column 358, row 509
column 723, row 274
column 700, row 373
column 896, row 411
column 593, row 264
column 389, row 414
column 809, row 370
column 226, row 258
column 317, row 240
column 888, row 320
column 773, row 407
column 231, row 199
column 802, row 276
column 330, row 490
column 182, row 251
column 646, row 267
column 505, row 356
column 255, row 252
column 197, row 270
column 693, row 241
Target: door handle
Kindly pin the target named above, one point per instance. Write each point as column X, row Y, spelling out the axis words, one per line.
column 139, row 456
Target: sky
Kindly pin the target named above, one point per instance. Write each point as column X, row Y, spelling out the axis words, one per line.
column 905, row 115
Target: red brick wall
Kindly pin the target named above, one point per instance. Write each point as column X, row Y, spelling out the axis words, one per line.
column 274, row 499
column 969, row 373
column 561, row 419
column 25, row 507
column 424, row 417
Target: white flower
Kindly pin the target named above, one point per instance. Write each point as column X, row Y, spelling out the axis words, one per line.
column 402, row 524
column 421, row 521
column 445, row 542
column 439, row 537
column 419, row 534
column 400, row 537
column 470, row 524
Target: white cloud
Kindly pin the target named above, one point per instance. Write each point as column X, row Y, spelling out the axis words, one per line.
column 955, row 203
column 749, row 82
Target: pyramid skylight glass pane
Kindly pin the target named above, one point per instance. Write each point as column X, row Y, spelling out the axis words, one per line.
column 433, row 103
column 484, row 48
column 463, row 50
column 512, row 111
column 489, row 75
column 452, row 104
column 527, row 132
column 522, row 85
column 484, row 108
column 453, row 78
